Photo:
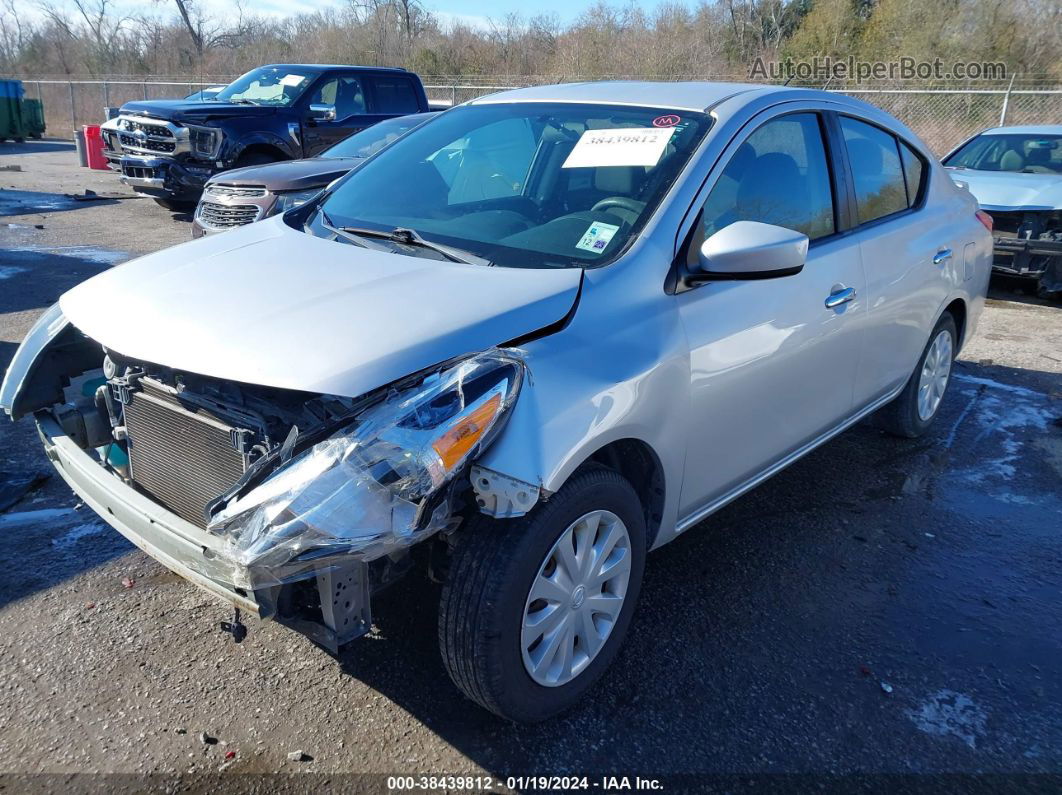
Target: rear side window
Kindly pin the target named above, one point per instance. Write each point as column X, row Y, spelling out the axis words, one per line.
column 875, row 159
column 913, row 170
column 395, row 95
column 777, row 176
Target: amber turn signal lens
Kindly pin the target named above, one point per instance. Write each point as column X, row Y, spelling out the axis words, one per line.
column 454, row 445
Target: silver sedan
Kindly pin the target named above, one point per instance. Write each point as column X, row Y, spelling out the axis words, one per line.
column 534, row 339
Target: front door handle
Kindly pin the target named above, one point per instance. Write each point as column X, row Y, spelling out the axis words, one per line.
column 843, row 296
column 942, row 256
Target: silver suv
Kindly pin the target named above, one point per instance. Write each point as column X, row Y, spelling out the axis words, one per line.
column 532, row 340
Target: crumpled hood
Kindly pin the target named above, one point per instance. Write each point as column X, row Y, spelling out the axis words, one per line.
column 193, row 110
column 302, row 174
column 267, row 304
column 1008, row 190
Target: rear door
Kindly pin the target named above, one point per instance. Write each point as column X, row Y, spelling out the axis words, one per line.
column 910, row 255
column 771, row 365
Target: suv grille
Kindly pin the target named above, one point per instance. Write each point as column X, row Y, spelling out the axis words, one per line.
column 182, row 457
column 237, row 191
column 224, row 216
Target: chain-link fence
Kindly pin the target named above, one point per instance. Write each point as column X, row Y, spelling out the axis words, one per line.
column 943, row 117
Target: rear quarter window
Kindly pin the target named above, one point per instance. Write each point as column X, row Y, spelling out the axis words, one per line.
column 874, row 156
column 395, row 95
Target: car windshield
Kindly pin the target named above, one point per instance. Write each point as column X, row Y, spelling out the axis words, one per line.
column 269, row 85
column 1018, row 152
column 372, row 139
column 522, row 184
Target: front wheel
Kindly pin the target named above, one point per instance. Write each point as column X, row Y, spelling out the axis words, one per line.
column 914, row 409
column 535, row 609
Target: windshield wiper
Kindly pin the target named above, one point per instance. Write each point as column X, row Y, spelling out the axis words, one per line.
column 342, row 232
column 411, row 237
column 242, row 100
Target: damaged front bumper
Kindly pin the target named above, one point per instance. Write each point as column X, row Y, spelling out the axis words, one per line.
column 328, row 602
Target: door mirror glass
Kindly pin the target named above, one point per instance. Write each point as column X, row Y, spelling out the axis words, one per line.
column 322, row 112
column 752, row 250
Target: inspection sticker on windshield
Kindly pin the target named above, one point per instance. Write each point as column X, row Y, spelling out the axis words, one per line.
column 624, row 146
column 597, row 237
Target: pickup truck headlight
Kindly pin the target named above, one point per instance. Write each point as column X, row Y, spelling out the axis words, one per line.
column 378, row 484
column 292, row 199
column 204, row 142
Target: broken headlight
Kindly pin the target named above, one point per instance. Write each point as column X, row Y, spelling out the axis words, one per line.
column 204, row 141
column 378, row 484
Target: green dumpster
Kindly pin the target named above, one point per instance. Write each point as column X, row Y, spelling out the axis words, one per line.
column 19, row 118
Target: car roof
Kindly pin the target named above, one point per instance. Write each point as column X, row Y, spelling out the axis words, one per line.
column 691, row 95
column 1026, row 129
column 322, row 67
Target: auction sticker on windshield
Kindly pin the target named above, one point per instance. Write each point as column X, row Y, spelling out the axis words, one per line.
column 292, row 80
column 597, row 237
column 624, row 146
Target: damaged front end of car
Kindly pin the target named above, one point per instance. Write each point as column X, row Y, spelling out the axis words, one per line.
column 292, row 505
column 1028, row 243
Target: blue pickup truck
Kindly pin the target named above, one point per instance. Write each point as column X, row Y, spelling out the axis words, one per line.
column 169, row 148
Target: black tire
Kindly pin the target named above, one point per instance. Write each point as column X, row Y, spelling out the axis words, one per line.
column 175, row 205
column 482, row 607
column 900, row 417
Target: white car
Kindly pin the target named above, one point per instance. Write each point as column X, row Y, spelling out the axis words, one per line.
column 1016, row 175
column 534, row 339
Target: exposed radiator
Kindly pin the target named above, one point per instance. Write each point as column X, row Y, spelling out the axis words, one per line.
column 183, row 456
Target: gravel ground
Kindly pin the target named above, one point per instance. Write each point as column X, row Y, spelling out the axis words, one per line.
column 880, row 607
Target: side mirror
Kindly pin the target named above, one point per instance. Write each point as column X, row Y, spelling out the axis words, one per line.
column 323, row 112
column 751, row 250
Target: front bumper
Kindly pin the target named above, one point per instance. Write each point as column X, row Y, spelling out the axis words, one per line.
column 165, row 178
column 308, row 601
column 1025, row 256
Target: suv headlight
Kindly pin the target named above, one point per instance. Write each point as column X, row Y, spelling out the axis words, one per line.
column 204, row 142
column 378, row 484
column 292, row 199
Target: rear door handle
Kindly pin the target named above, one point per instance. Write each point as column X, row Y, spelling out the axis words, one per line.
column 942, row 256
column 835, row 299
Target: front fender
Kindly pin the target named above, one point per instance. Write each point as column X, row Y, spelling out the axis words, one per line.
column 26, row 361
column 287, row 145
column 587, row 389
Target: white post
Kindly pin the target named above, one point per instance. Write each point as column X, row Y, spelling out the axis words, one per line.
column 1006, row 101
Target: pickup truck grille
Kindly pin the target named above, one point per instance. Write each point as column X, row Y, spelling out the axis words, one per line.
column 181, row 456
column 225, row 216
column 140, row 135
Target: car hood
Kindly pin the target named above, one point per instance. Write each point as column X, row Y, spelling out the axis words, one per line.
column 193, row 110
column 1007, row 190
column 312, row 172
column 267, row 304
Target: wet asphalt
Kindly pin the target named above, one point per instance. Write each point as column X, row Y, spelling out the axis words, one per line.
column 883, row 606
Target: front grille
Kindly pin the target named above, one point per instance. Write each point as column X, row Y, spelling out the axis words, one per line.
column 151, row 145
column 224, row 216
column 148, row 129
column 237, row 191
column 182, row 456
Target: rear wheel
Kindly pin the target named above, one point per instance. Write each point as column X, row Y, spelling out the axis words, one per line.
column 914, row 409
column 535, row 609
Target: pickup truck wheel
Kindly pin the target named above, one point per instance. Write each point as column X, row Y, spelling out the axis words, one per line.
column 913, row 411
column 253, row 159
column 535, row 609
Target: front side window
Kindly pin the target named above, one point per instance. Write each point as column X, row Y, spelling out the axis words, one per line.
column 343, row 93
column 876, row 170
column 777, row 176
column 269, row 85
column 1017, row 152
column 522, row 184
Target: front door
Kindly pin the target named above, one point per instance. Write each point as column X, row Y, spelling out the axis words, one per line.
column 772, row 367
column 346, row 96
